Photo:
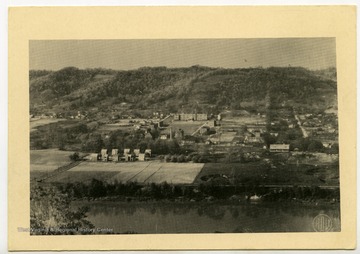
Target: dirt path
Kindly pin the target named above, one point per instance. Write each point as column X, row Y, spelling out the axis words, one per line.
column 198, row 129
column 305, row 134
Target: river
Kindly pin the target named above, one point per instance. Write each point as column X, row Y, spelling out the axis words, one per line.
column 162, row 217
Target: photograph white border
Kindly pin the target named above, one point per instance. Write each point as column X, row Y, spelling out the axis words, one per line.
column 3, row 71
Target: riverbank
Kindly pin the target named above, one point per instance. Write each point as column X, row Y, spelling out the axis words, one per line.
column 231, row 201
column 127, row 192
column 177, row 209
column 163, row 217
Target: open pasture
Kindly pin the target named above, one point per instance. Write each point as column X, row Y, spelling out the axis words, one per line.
column 228, row 136
column 141, row 172
column 48, row 159
column 114, row 127
column 43, row 162
column 43, row 121
column 189, row 127
column 258, row 173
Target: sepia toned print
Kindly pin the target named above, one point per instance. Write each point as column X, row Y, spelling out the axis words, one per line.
column 183, row 136
column 124, row 40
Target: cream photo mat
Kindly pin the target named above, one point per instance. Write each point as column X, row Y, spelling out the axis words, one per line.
column 66, row 23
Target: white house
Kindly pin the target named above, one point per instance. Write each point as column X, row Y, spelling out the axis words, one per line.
column 279, row 148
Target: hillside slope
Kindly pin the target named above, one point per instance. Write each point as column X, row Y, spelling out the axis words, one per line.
column 209, row 89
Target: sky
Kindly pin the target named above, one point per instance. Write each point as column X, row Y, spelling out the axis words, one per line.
column 311, row 53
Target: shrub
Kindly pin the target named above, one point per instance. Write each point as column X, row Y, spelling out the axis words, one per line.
column 181, row 158
column 50, row 208
column 168, row 158
column 174, row 158
column 202, row 159
column 195, row 158
column 74, row 157
column 188, row 158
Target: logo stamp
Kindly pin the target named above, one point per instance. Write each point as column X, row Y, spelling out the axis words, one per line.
column 322, row 223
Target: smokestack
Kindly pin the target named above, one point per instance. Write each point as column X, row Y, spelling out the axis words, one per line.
column 170, row 133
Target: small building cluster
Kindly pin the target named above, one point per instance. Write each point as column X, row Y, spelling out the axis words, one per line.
column 115, row 156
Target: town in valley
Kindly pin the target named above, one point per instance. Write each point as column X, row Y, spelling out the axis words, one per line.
column 204, row 137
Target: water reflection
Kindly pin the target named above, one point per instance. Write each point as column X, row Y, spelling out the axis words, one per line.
column 207, row 217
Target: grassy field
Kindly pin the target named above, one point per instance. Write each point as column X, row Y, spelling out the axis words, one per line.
column 313, row 158
column 142, row 172
column 48, row 159
column 255, row 173
column 45, row 161
column 189, row 127
column 229, row 169
column 82, row 176
column 40, row 122
column 176, row 173
column 260, row 173
column 114, row 127
column 243, row 119
column 228, row 136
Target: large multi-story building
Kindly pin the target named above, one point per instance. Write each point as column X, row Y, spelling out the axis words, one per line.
column 190, row 116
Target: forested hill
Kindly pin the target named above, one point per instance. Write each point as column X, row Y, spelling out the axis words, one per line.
column 174, row 89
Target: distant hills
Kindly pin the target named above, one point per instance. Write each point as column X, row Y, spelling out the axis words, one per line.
column 176, row 89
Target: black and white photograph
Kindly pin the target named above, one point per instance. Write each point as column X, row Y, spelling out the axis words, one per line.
column 174, row 136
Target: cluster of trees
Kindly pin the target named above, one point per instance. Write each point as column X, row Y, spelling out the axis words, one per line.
column 51, row 214
column 296, row 141
column 299, row 85
column 64, row 81
column 307, row 144
column 61, row 135
column 144, row 86
column 231, row 87
column 178, row 87
column 184, row 158
column 58, row 135
column 292, row 136
column 131, row 139
column 61, row 83
column 33, row 74
column 286, row 137
column 98, row 189
column 75, row 156
column 313, row 145
column 215, row 189
column 303, row 193
column 329, row 73
column 233, row 156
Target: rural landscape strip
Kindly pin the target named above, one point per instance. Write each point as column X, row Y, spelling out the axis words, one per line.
column 197, row 143
column 138, row 173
